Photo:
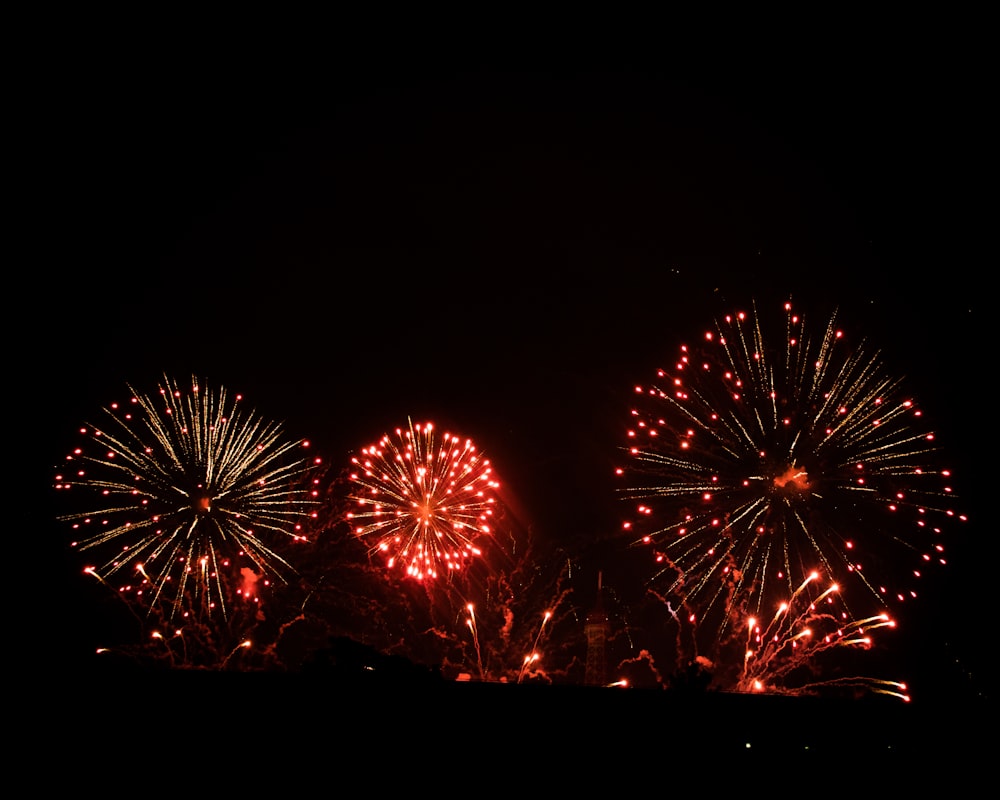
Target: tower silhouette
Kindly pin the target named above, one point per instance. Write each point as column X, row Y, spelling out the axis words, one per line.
column 596, row 630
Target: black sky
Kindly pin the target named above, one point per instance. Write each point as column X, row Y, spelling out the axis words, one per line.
column 350, row 240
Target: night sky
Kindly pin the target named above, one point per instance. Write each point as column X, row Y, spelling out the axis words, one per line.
column 353, row 240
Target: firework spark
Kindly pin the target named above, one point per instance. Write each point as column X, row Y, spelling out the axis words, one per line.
column 192, row 490
column 423, row 501
column 781, row 656
column 756, row 461
column 534, row 656
column 523, row 625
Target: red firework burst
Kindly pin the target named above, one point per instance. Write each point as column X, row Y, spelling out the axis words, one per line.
column 759, row 458
column 423, row 500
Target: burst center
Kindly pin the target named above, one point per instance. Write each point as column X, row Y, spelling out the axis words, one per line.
column 793, row 480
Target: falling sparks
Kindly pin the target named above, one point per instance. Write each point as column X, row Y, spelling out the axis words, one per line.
column 781, row 654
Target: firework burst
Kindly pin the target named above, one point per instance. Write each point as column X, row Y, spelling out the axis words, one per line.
column 193, row 492
column 505, row 616
column 758, row 459
column 422, row 500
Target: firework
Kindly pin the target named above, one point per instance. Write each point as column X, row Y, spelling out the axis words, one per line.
column 756, row 461
column 499, row 613
column 522, row 627
column 781, row 655
column 193, row 489
column 531, row 658
column 423, row 501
